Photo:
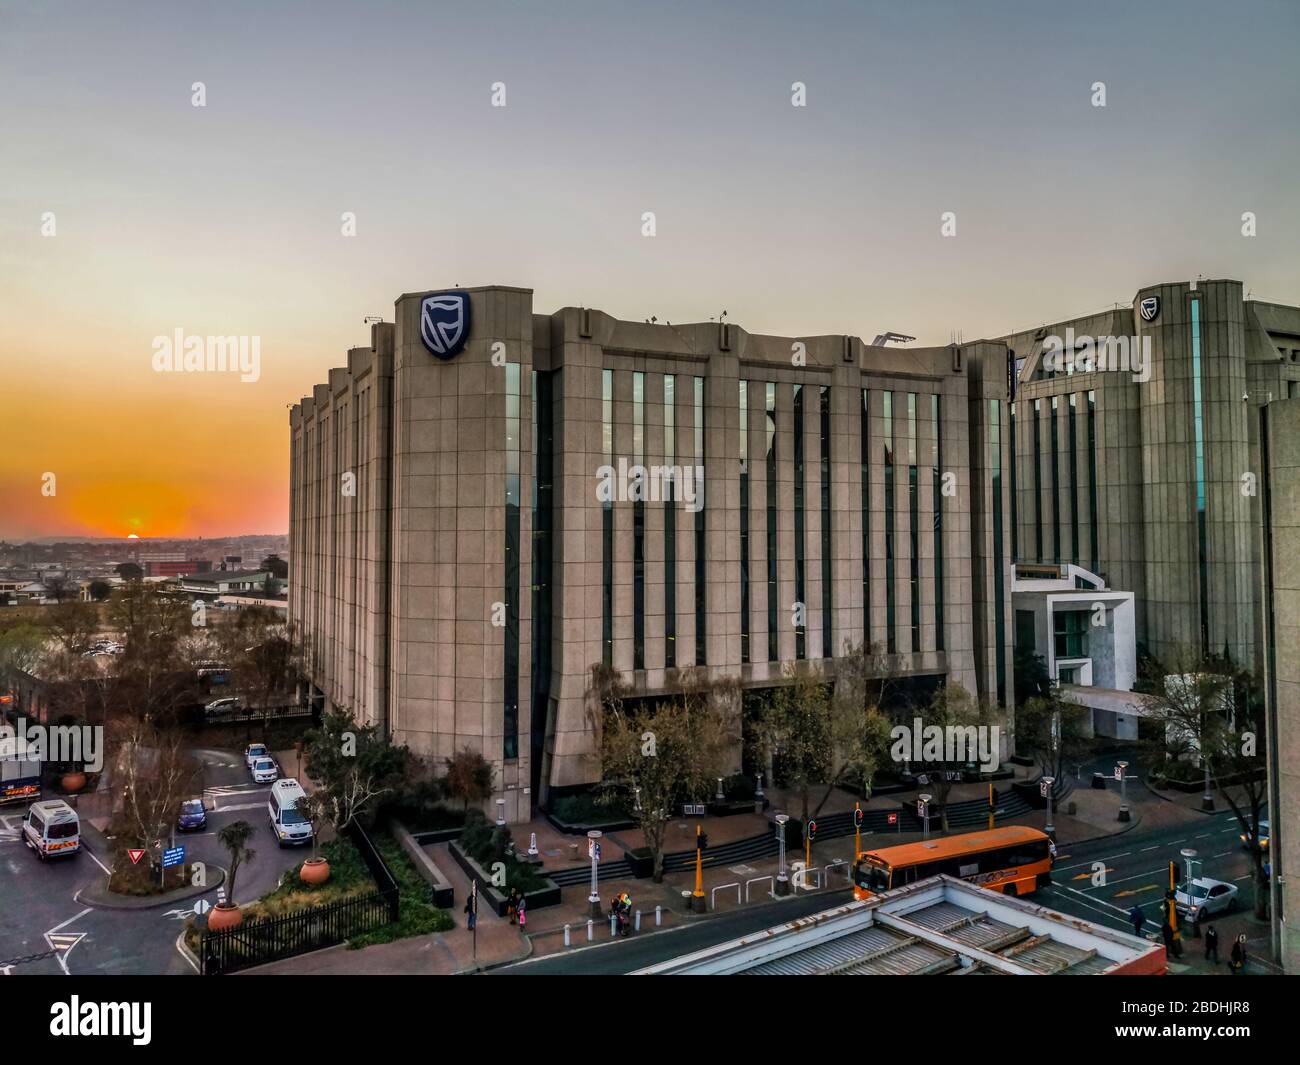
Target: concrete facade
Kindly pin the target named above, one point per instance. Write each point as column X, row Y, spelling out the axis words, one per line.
column 1107, row 467
column 468, row 472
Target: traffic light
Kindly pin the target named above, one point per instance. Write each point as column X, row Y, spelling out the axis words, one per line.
column 857, row 817
column 702, row 841
column 811, row 830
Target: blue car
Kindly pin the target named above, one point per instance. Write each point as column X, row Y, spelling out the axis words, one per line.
column 192, row 817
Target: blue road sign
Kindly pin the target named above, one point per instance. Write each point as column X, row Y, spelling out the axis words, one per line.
column 173, row 856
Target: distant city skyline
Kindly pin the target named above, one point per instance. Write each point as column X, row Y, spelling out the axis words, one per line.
column 128, row 213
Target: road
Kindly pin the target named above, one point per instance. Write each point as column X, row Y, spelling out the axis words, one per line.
column 1104, row 879
column 626, row 955
column 45, row 927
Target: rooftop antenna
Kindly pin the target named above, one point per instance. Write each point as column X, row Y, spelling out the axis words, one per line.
column 370, row 319
column 884, row 338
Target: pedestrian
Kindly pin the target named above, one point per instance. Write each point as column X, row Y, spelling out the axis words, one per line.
column 1212, row 944
column 1051, row 849
column 1167, row 934
column 471, row 913
column 521, row 908
column 512, row 905
column 1237, row 963
column 1138, row 918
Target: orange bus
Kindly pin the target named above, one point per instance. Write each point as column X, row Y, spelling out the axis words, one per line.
column 1014, row 860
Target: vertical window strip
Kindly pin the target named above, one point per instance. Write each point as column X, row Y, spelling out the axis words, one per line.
column 1055, row 437
column 771, row 522
column 670, row 525
column 1038, row 480
column 701, row 655
column 865, row 461
column 999, row 612
column 1075, row 552
column 827, row 642
column 638, row 523
column 800, row 586
column 1092, row 478
column 1198, row 426
column 744, row 521
column 936, row 411
column 914, row 523
column 607, row 520
column 510, row 738
column 891, row 638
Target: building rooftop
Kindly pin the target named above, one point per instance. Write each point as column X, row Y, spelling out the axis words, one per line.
column 941, row 925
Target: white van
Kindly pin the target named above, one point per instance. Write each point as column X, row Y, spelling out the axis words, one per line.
column 52, row 829
column 287, row 824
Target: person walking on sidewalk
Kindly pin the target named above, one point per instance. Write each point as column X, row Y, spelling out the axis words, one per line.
column 512, row 905
column 521, row 908
column 1237, row 963
column 1212, row 944
column 1138, row 918
column 471, row 912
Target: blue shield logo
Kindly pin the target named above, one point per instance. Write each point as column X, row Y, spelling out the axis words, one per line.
column 444, row 323
column 1149, row 308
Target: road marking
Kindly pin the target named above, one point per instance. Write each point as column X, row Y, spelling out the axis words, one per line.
column 1136, row 891
column 107, row 870
column 63, row 942
column 1204, row 835
column 1239, row 879
column 1154, row 848
column 239, row 806
column 180, row 939
column 1088, row 875
column 1108, row 858
column 1223, row 855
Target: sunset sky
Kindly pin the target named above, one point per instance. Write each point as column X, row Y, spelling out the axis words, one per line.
column 225, row 219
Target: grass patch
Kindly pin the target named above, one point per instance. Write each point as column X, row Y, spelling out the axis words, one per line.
column 417, row 915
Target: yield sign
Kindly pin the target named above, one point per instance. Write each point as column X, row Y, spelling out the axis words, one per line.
column 136, row 855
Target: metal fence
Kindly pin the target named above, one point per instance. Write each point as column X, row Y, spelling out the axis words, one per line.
column 259, row 942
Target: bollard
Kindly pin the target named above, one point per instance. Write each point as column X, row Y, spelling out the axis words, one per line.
column 590, row 931
column 637, row 927
column 612, row 928
column 659, row 916
column 566, row 936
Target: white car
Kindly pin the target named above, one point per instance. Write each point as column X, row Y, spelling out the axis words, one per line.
column 253, row 752
column 265, row 771
column 221, row 706
column 1206, row 898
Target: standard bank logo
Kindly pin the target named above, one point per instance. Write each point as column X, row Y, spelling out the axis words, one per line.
column 444, row 323
column 1149, row 308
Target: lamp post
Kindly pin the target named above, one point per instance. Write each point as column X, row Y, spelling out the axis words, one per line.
column 782, row 881
column 593, row 850
column 1121, row 771
column 1189, row 854
column 1207, row 799
column 924, row 800
column 1049, row 828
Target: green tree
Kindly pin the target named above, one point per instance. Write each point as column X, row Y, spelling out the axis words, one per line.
column 951, row 711
column 663, row 752
column 352, row 764
column 100, row 590
column 234, row 838
column 1052, row 731
column 468, row 777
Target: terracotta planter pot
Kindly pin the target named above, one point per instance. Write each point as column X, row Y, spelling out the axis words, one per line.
column 73, row 782
column 220, row 918
column 314, row 871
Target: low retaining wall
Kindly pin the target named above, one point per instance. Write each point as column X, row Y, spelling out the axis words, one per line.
column 542, row 897
column 444, row 896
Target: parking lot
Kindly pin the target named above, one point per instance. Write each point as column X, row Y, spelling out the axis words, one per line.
column 46, row 926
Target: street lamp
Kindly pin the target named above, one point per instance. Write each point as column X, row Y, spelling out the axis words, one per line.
column 1047, row 783
column 782, row 881
column 1121, row 771
column 1189, row 853
column 924, row 800
column 593, row 850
